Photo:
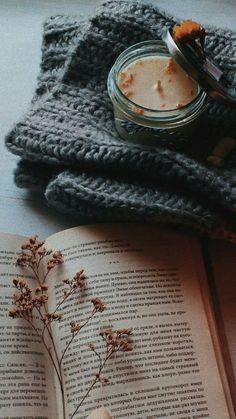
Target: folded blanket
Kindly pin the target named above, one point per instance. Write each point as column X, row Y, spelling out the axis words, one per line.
column 72, row 153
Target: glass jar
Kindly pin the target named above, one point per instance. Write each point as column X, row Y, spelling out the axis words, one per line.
column 148, row 126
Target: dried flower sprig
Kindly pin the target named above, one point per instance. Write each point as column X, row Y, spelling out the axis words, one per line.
column 32, row 255
column 115, row 341
column 31, row 304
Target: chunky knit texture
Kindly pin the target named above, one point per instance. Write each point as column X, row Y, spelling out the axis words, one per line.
column 72, row 153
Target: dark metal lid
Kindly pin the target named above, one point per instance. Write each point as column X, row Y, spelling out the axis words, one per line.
column 210, row 77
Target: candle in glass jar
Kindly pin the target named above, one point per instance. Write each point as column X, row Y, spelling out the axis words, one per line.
column 157, row 83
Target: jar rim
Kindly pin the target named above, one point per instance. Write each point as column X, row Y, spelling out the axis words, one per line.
column 146, row 116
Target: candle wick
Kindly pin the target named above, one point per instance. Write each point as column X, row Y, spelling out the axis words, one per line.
column 159, row 86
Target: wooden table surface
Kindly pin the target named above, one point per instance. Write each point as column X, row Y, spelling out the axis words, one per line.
column 20, row 36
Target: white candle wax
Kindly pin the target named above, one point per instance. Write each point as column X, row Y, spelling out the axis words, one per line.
column 157, row 83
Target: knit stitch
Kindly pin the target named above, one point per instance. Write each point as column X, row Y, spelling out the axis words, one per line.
column 71, row 150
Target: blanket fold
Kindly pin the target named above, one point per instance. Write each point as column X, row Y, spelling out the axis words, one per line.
column 72, row 153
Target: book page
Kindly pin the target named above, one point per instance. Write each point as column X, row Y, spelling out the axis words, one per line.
column 223, row 265
column 149, row 280
column 26, row 382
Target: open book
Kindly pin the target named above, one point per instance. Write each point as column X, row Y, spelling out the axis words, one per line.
column 151, row 280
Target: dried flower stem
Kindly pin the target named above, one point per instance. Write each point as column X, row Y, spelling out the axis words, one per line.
column 28, row 302
column 75, row 334
column 96, row 379
column 115, row 341
column 85, row 396
column 49, row 331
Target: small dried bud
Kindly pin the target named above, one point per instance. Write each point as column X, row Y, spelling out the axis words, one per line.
column 106, row 331
column 33, row 239
column 16, row 282
column 57, row 259
column 57, row 316
column 98, row 304
column 22, row 284
column 49, row 317
column 42, row 251
column 127, row 332
column 41, row 299
column 92, row 346
column 23, row 259
column 66, row 281
column 118, row 340
column 103, row 380
column 57, row 255
column 13, row 313
column 79, row 279
column 65, row 293
column 125, row 345
column 74, row 326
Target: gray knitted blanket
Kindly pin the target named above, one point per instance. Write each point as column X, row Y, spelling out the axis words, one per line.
column 72, row 153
